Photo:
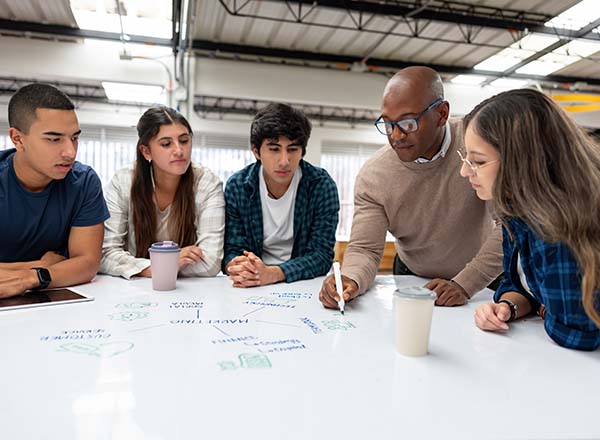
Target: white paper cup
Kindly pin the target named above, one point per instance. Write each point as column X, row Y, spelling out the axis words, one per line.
column 413, row 309
column 164, row 260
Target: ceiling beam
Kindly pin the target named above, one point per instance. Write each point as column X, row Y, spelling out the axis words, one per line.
column 298, row 55
column 220, row 106
column 442, row 11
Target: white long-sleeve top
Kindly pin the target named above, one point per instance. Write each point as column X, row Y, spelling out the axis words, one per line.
column 118, row 249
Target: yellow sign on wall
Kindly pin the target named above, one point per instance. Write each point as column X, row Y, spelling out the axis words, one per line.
column 578, row 102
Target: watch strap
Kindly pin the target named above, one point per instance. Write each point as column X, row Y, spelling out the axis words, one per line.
column 44, row 277
column 514, row 309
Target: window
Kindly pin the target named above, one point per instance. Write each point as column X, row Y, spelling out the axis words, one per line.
column 108, row 149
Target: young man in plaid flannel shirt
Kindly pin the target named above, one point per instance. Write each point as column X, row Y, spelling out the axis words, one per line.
column 281, row 211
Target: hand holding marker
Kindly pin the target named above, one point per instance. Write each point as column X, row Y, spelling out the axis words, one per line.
column 338, row 285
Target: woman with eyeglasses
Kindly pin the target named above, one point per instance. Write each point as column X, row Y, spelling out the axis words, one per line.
column 543, row 174
column 165, row 197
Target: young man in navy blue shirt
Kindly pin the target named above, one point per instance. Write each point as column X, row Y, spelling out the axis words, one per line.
column 281, row 211
column 51, row 207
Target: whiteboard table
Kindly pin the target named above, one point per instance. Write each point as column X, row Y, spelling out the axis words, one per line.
column 211, row 362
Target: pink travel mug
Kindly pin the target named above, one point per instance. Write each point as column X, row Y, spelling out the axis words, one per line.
column 164, row 260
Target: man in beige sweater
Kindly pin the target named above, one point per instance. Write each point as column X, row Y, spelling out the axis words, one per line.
column 412, row 188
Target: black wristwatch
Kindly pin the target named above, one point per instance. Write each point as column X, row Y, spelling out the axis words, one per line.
column 44, row 277
column 514, row 309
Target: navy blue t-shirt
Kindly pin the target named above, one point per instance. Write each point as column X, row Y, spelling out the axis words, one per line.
column 33, row 223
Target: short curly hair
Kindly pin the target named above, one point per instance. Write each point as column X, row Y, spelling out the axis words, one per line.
column 277, row 120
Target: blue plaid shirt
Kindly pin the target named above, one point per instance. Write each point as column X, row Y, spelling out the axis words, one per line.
column 315, row 220
column 553, row 277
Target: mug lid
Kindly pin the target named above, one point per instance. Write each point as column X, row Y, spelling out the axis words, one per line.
column 164, row 246
column 414, row 292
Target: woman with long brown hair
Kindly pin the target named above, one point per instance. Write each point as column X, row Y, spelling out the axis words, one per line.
column 164, row 197
column 543, row 174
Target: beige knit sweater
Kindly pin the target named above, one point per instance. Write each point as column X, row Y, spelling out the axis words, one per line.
column 442, row 229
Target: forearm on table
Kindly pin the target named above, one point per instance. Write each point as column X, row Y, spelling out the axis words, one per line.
column 77, row 270
column 210, row 266
column 23, row 265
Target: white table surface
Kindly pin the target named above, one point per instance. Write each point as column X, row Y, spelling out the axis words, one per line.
column 138, row 364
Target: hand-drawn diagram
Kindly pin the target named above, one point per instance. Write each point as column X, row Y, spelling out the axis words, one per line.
column 279, row 310
column 107, row 350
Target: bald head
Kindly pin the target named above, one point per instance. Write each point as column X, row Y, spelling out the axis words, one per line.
column 415, row 94
column 418, row 80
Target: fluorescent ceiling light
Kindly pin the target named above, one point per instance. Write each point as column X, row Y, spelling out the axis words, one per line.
column 126, row 92
column 516, row 53
column 151, row 18
column 509, row 83
column 577, row 17
column 468, row 80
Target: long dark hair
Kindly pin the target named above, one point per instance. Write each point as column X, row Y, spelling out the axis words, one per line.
column 182, row 219
column 549, row 176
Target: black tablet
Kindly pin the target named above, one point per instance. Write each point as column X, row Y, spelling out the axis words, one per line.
column 35, row 298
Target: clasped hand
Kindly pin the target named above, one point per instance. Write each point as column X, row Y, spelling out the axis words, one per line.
column 248, row 270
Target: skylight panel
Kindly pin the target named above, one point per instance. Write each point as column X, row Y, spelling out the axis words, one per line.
column 151, row 18
column 516, row 53
column 577, row 17
column 579, row 48
column 509, row 83
column 469, row 80
column 540, row 67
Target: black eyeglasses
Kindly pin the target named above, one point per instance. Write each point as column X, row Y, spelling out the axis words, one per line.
column 408, row 125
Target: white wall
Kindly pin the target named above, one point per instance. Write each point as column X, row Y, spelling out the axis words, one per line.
column 89, row 60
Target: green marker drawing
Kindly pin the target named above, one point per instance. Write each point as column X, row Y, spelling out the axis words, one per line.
column 228, row 365
column 128, row 316
column 338, row 325
column 107, row 350
column 254, row 360
column 136, row 305
column 247, row 360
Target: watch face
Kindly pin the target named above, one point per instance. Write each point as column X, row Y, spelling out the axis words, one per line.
column 44, row 277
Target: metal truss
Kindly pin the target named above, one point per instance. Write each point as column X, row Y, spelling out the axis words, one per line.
column 219, row 50
column 84, row 92
column 218, row 107
column 417, row 15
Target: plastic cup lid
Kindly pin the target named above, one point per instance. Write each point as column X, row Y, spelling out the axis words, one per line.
column 164, row 246
column 414, row 292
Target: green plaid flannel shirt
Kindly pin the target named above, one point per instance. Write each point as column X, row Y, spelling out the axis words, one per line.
column 315, row 220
